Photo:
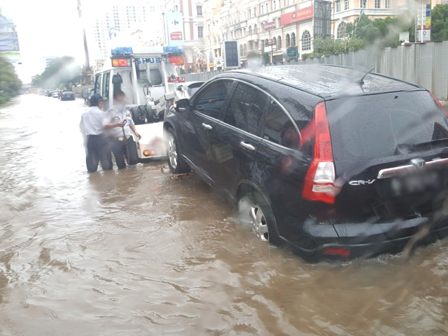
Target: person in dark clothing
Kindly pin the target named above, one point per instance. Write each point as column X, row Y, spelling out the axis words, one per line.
column 119, row 134
column 92, row 127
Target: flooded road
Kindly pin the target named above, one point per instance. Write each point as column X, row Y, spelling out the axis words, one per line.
column 135, row 252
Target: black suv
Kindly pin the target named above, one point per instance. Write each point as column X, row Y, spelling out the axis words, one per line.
column 332, row 162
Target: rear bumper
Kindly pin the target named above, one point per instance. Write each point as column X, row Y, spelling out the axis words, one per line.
column 354, row 240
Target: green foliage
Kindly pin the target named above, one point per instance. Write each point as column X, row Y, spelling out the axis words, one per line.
column 62, row 72
column 383, row 32
column 266, row 58
column 363, row 32
column 9, row 82
column 439, row 23
column 328, row 47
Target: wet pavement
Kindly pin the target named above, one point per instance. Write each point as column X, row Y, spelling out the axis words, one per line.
column 136, row 252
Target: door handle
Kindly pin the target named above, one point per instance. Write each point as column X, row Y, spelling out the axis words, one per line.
column 247, row 146
column 207, row 126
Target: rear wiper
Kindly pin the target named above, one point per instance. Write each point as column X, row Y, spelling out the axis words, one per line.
column 408, row 148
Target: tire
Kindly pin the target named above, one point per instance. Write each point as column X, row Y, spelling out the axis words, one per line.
column 254, row 211
column 175, row 161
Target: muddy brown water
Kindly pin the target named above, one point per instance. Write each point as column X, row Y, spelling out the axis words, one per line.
column 137, row 253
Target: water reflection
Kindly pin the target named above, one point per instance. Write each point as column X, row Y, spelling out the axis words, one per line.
column 135, row 252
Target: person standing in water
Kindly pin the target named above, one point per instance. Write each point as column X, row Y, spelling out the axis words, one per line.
column 119, row 128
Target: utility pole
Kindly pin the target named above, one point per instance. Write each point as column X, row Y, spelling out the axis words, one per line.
column 87, row 71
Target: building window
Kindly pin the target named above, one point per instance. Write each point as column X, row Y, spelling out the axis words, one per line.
column 250, row 30
column 306, row 40
column 255, row 11
column 199, row 10
column 255, row 29
column 279, row 43
column 362, row 3
column 387, row 4
column 288, row 41
column 338, row 5
column 200, row 32
column 267, row 11
column 346, row 4
column 273, row 5
column 377, row 3
column 342, row 30
column 293, row 39
column 250, row 13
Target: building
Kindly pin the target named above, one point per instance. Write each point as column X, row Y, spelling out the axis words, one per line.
column 283, row 28
column 115, row 17
column 47, row 60
column 193, row 27
column 9, row 40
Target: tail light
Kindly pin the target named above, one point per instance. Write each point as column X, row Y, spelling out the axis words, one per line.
column 320, row 178
column 438, row 103
column 117, row 62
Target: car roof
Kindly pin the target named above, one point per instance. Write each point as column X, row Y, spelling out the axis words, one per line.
column 329, row 81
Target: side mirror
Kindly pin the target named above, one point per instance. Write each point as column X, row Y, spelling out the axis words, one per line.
column 183, row 105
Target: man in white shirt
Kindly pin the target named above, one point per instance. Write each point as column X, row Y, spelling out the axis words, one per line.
column 120, row 138
column 92, row 127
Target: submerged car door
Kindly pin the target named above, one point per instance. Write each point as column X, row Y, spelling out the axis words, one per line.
column 206, row 109
column 235, row 140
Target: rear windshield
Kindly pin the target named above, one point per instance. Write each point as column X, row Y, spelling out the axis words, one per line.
column 366, row 128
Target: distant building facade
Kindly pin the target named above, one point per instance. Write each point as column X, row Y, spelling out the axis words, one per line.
column 47, row 60
column 283, row 28
column 193, row 27
column 122, row 16
column 9, row 40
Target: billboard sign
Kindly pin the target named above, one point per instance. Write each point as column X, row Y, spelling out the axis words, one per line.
column 269, row 25
column 292, row 52
column 9, row 48
column 424, row 21
column 231, row 55
column 297, row 16
column 175, row 29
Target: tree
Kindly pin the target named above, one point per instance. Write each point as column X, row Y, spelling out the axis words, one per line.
column 439, row 23
column 383, row 32
column 9, row 82
column 62, row 70
column 329, row 46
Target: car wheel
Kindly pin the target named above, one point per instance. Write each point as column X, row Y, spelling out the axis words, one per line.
column 255, row 212
column 175, row 160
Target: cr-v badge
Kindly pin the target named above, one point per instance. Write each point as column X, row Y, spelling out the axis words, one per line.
column 361, row 182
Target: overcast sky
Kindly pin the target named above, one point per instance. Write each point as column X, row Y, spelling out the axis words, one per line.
column 45, row 28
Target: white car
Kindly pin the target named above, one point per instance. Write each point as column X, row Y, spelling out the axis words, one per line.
column 55, row 94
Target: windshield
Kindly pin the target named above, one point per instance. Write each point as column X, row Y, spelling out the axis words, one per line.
column 371, row 127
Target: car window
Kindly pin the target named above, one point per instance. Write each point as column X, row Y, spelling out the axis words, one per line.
column 279, row 127
column 97, row 84
column 211, row 100
column 246, row 108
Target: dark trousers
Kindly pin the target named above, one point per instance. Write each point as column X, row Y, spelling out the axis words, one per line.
column 124, row 150
column 98, row 150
